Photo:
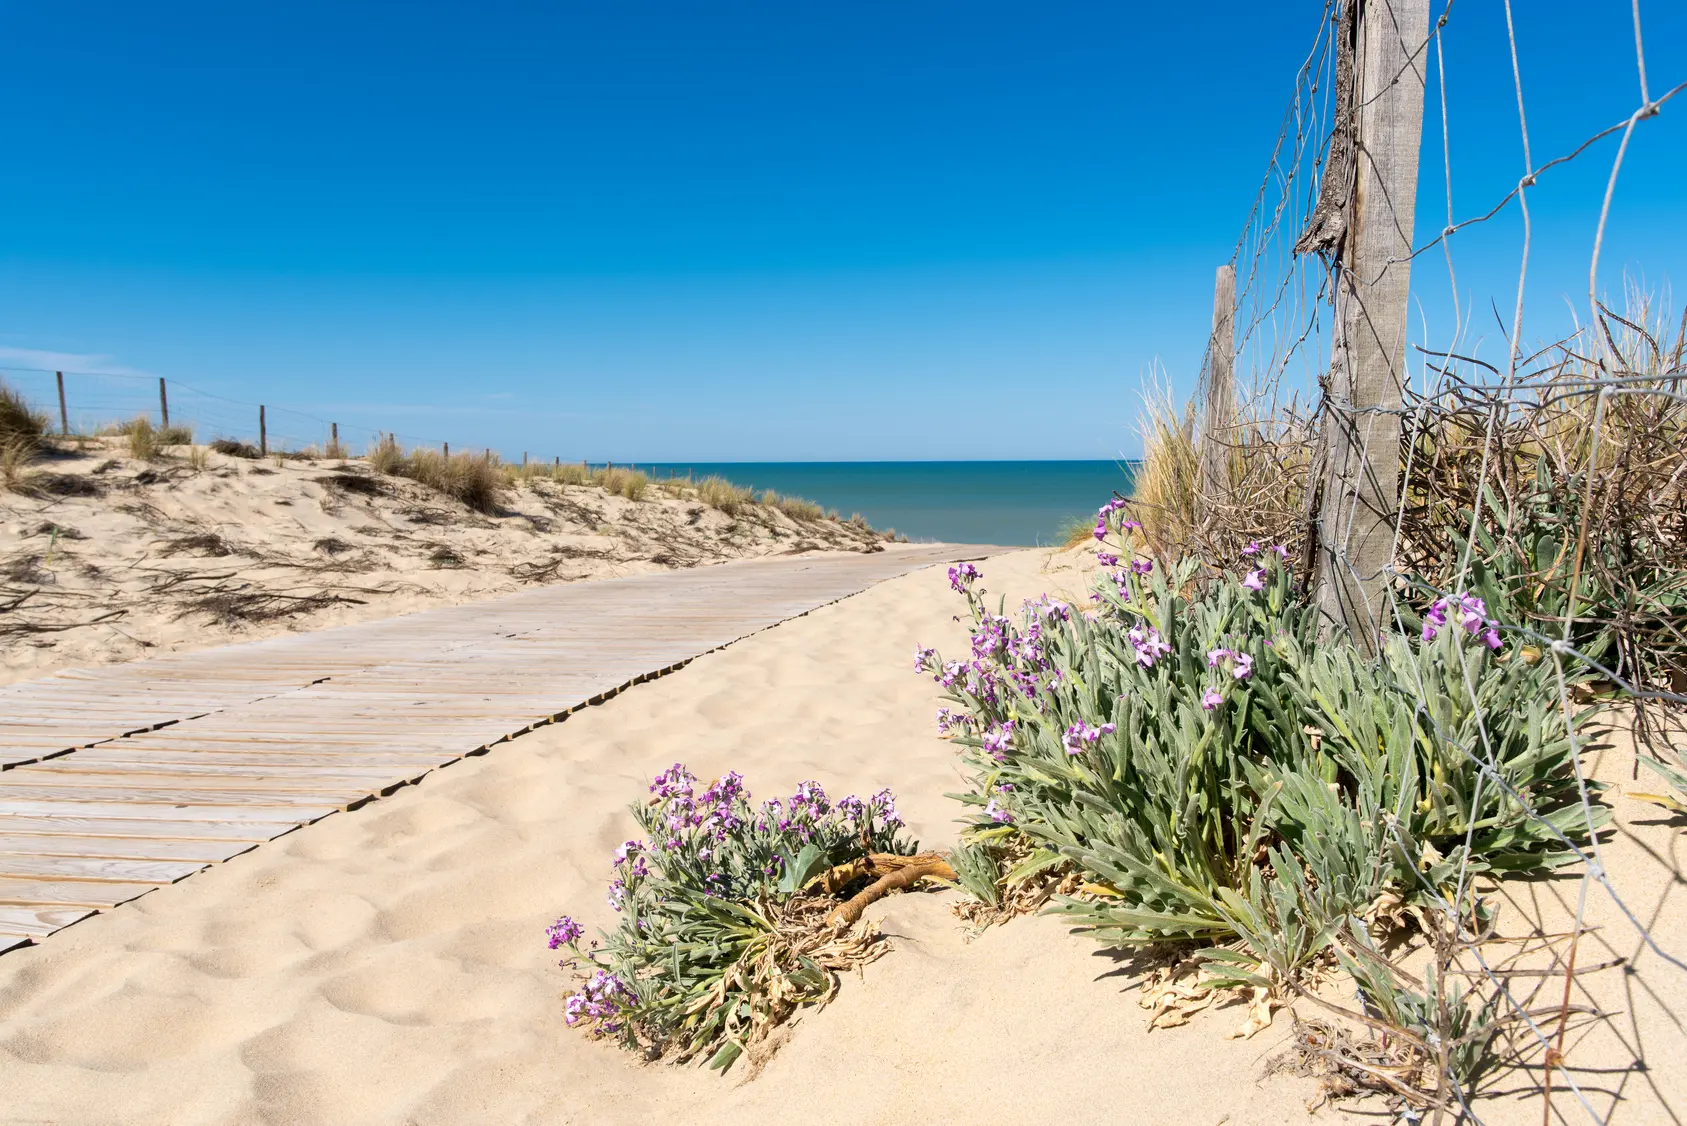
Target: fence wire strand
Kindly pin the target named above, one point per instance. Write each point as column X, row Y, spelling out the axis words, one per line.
column 1597, row 424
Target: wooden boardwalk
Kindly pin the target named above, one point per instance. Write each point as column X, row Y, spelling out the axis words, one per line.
column 118, row 780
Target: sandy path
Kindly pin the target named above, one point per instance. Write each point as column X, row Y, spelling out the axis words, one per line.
column 388, row 966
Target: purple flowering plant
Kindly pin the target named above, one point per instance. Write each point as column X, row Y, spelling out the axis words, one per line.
column 714, row 941
column 1221, row 774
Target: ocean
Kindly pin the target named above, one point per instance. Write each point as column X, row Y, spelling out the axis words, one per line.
column 1011, row 503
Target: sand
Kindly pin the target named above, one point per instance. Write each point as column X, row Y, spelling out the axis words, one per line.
column 105, row 558
column 388, row 965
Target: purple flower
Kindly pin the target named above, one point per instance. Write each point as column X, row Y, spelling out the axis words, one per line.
column 1081, row 734
column 1149, row 647
column 1101, row 529
column 564, row 932
column 922, row 657
column 1211, row 699
column 1131, row 526
column 1492, row 637
column 997, row 814
column 1255, row 579
column 884, row 804
column 1243, row 667
column 1107, row 559
column 1281, row 550
column 961, row 577
column 602, row 998
column 999, row 739
column 1215, row 657
column 1251, row 549
column 1142, row 566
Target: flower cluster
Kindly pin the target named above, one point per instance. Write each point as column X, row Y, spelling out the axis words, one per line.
column 1149, row 645
column 602, row 999
column 962, row 576
column 564, row 932
column 1467, row 611
column 1105, row 518
column 1081, row 735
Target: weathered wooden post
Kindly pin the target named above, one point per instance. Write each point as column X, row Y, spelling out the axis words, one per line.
column 1362, row 408
column 163, row 404
column 447, row 446
column 263, row 433
column 1219, row 395
column 64, row 415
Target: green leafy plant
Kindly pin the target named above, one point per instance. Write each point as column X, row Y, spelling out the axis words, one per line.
column 1221, row 778
column 721, row 935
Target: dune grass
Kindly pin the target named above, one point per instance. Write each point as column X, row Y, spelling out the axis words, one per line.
column 21, row 432
column 19, row 424
column 474, row 481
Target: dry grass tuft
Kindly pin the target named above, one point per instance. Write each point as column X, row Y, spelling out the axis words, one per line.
column 474, row 481
column 718, row 492
column 20, row 426
column 143, row 439
column 629, row 483
column 228, row 447
column 15, row 456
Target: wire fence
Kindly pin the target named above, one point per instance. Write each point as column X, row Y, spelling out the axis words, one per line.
column 1541, row 494
column 93, row 402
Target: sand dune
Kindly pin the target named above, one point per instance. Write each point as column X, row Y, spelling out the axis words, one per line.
column 105, row 558
column 388, row 965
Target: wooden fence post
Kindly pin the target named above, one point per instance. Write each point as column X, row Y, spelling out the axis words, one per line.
column 1219, row 397
column 64, row 415
column 163, row 404
column 334, row 435
column 447, row 446
column 1362, row 420
column 263, row 433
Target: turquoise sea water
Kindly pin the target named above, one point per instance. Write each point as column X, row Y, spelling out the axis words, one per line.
column 1011, row 503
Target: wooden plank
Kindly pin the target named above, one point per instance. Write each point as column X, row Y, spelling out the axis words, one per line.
column 189, row 759
column 70, row 893
column 21, row 865
column 122, row 848
column 179, row 797
column 254, row 831
column 38, row 922
column 146, row 812
column 323, row 778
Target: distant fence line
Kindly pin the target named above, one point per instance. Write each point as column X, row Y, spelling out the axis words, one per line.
column 83, row 403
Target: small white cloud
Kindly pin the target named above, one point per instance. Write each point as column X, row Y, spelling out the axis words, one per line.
column 83, row 363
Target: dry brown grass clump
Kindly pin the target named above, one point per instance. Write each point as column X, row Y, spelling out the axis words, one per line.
column 718, row 492
column 1572, row 476
column 228, row 447
column 629, row 483
column 144, row 444
column 474, row 481
column 20, row 426
column 1261, row 498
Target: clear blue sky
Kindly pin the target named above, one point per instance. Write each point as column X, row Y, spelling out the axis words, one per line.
column 725, row 230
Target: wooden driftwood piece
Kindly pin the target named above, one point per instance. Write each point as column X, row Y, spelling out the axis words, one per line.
column 894, row 873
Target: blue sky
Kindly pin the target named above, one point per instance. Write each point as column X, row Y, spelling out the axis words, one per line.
column 732, row 231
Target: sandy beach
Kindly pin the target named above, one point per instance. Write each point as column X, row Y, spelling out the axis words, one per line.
column 387, row 965
column 108, row 558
